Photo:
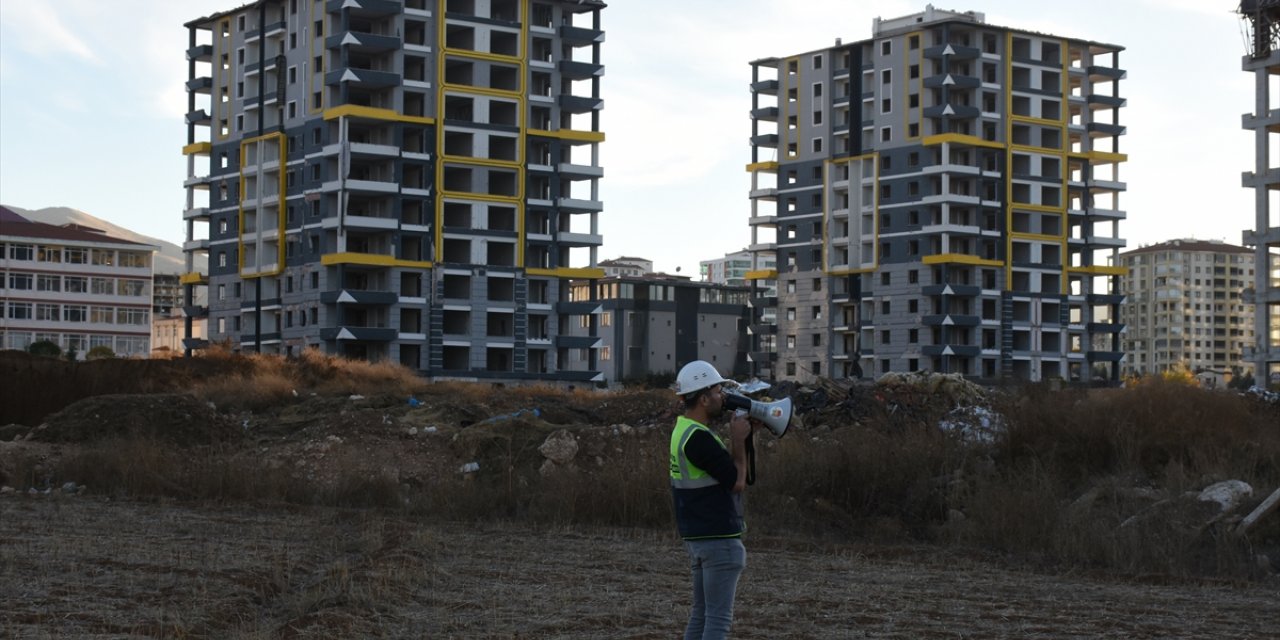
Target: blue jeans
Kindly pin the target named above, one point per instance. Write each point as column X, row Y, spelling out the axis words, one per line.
column 716, row 565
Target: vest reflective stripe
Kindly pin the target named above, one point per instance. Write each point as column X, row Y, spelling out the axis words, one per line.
column 684, row 474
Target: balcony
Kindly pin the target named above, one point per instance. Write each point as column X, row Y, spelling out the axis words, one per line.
column 962, row 350
column 570, row 239
column 579, row 104
column 767, row 114
column 575, row 70
column 951, row 320
column 765, row 87
column 1104, row 298
column 578, row 342
column 361, row 297
column 579, row 171
column 952, row 52
column 1104, row 356
column 1097, row 102
column 1270, row 120
column 362, row 334
column 952, row 111
column 363, row 42
column 365, row 8
column 762, row 356
column 952, row 80
column 1104, row 74
column 1103, row 129
column 200, row 53
column 366, row 78
column 763, row 329
column 203, row 84
column 272, row 30
column 199, row 117
column 194, row 246
column 195, row 311
column 964, row 290
column 578, row 205
column 769, row 140
column 1104, row 327
column 199, row 213
column 580, row 36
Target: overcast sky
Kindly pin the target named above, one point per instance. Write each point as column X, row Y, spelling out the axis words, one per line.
column 92, row 103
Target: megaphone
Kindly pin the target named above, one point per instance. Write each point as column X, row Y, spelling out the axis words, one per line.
column 775, row 415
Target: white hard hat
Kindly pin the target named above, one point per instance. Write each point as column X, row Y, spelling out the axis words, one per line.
column 696, row 376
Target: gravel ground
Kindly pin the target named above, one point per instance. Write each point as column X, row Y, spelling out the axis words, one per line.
column 84, row 567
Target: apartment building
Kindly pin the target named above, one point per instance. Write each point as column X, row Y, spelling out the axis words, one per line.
column 943, row 196
column 73, row 286
column 731, row 269
column 1262, row 59
column 1184, row 307
column 404, row 180
column 626, row 266
column 657, row 323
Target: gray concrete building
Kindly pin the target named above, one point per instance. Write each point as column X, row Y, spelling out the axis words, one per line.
column 1184, row 307
column 404, row 180
column 655, row 324
column 1262, row 59
column 943, row 196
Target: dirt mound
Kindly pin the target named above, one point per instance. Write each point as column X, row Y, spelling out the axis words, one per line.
column 175, row 418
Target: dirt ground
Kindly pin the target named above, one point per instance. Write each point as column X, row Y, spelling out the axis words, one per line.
column 87, row 567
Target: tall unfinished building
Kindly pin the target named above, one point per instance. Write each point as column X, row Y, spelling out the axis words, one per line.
column 1262, row 18
column 404, row 180
column 943, row 196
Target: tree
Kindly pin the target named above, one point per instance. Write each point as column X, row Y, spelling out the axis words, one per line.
column 100, row 352
column 45, row 348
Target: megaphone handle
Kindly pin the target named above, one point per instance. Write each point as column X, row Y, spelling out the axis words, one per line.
column 751, row 458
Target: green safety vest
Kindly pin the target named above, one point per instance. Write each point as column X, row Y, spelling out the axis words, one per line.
column 684, row 474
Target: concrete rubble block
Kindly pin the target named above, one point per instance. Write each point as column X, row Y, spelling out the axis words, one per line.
column 560, row 447
column 1228, row 493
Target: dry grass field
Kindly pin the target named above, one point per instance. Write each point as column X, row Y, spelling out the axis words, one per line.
column 255, row 497
column 88, row 567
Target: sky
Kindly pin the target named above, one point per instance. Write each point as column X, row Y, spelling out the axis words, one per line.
column 92, row 100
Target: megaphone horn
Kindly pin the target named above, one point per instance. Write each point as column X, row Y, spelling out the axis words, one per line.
column 775, row 415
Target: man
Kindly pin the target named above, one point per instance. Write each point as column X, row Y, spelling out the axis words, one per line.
column 707, row 481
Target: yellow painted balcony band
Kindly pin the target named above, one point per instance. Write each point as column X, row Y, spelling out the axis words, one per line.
column 590, row 273
column 961, row 258
column 569, row 134
column 374, row 113
column 198, row 148
column 761, row 274
column 1099, row 270
column 960, row 138
column 194, row 278
column 372, row 260
column 770, row 166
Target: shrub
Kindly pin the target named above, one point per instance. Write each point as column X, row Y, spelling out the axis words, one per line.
column 100, row 352
column 45, row 348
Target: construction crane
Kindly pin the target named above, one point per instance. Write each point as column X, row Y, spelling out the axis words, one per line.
column 1262, row 20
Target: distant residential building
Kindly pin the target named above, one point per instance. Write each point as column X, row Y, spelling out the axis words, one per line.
column 73, row 286
column 626, row 266
column 394, row 180
column 635, row 326
column 166, row 294
column 167, row 332
column 945, row 195
column 732, row 269
column 1184, row 307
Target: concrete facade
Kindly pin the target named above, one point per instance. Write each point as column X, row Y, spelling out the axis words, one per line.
column 943, row 196
column 1262, row 60
column 410, row 180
